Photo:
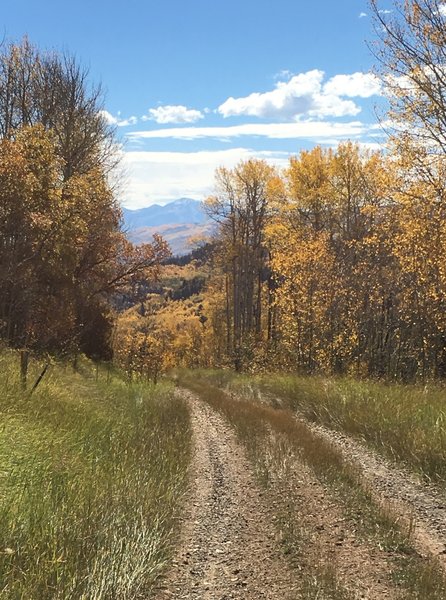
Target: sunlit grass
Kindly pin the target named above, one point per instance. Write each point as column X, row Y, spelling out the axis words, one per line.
column 272, row 436
column 407, row 423
column 91, row 475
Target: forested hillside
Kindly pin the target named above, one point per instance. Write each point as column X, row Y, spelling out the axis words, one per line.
column 336, row 263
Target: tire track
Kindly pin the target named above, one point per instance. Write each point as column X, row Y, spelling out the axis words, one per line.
column 419, row 502
column 228, row 547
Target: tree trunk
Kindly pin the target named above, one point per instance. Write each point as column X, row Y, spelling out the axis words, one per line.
column 24, row 360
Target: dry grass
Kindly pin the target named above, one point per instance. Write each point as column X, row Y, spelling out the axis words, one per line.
column 254, row 421
column 91, row 476
column 407, row 423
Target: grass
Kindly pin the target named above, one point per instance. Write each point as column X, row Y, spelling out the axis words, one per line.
column 91, row 476
column 407, row 423
column 271, row 437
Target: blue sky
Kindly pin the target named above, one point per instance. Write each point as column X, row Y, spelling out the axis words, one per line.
column 195, row 84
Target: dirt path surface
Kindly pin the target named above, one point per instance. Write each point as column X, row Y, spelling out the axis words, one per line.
column 403, row 491
column 363, row 570
column 228, row 547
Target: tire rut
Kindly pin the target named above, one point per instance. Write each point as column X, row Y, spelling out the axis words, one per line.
column 417, row 501
column 228, row 547
column 363, row 570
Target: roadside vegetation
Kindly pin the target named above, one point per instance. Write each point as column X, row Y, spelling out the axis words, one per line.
column 92, row 473
column 273, row 437
column 406, row 423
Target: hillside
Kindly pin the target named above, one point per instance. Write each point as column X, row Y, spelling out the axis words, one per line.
column 178, row 221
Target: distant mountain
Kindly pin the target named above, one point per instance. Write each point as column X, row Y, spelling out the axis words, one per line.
column 177, row 221
column 179, row 236
column 183, row 210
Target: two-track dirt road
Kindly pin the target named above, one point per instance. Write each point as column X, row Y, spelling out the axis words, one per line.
column 229, row 544
column 228, row 547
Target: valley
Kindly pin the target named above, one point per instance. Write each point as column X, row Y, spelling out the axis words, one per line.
column 183, row 223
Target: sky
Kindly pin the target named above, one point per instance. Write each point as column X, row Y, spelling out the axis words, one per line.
column 193, row 85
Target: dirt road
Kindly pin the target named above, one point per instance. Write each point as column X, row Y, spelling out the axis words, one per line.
column 417, row 500
column 228, row 547
column 234, row 537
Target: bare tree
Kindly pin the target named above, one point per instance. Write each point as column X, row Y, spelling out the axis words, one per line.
column 68, row 105
column 411, row 50
column 54, row 90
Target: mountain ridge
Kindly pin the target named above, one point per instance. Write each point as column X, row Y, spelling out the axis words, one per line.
column 182, row 210
column 177, row 221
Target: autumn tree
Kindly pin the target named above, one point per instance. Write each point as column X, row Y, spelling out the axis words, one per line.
column 53, row 90
column 62, row 253
column 412, row 58
column 61, row 249
column 329, row 260
column 349, row 276
column 31, row 223
column 240, row 206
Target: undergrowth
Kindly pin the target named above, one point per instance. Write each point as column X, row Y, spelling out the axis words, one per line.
column 91, row 475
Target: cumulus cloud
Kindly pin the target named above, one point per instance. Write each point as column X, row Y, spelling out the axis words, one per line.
column 284, row 74
column 301, row 95
column 310, row 130
column 173, row 114
column 356, row 85
column 112, row 120
column 442, row 10
column 362, row 15
column 305, row 95
column 161, row 176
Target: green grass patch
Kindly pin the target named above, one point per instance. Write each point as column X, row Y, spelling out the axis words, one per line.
column 91, row 478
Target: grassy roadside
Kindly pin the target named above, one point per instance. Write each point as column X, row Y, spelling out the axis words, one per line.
column 407, row 423
column 272, row 436
column 91, row 474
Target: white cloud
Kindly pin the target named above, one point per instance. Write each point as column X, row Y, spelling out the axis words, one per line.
column 303, row 94
column 442, row 10
column 311, row 130
column 356, row 85
column 112, row 120
column 161, row 176
column 384, row 11
column 362, row 15
column 108, row 117
column 173, row 114
column 283, row 74
column 126, row 122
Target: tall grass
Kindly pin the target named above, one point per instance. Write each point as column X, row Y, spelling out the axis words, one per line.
column 404, row 422
column 272, row 436
column 91, row 474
